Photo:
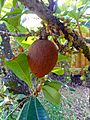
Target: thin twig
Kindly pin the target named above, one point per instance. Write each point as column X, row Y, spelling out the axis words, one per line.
column 52, row 5
column 79, row 28
column 14, row 34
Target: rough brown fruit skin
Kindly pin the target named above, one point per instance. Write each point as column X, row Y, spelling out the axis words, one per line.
column 42, row 57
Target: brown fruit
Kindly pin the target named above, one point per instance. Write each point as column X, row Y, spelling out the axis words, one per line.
column 42, row 57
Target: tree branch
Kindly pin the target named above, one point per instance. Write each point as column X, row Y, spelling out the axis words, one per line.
column 46, row 14
column 79, row 28
column 52, row 5
column 14, row 34
column 7, row 51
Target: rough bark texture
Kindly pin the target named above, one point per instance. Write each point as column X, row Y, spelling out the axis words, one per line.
column 46, row 14
column 52, row 5
column 6, row 43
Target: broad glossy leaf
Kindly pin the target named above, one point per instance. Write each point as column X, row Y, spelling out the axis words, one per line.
column 14, row 21
column 58, row 71
column 29, row 40
column 11, row 28
column 19, row 66
column 51, row 94
column 16, row 11
column 21, row 42
column 20, row 29
column 53, row 83
column 33, row 110
column 14, row 2
column 1, row 4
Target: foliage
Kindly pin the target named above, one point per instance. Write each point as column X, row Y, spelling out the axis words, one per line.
column 72, row 14
column 23, row 71
column 33, row 110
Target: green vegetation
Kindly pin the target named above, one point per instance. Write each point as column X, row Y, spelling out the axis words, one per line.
column 37, row 82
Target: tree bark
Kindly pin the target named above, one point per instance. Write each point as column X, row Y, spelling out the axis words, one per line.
column 7, row 51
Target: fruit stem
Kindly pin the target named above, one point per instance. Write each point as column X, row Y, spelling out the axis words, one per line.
column 39, row 87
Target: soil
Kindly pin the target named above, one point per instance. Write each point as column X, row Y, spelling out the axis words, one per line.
column 79, row 102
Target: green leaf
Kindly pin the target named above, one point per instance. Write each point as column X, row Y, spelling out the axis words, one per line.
column 29, row 40
column 18, row 28
column 62, row 57
column 7, row 5
column 74, row 14
column 14, row 21
column 33, row 110
column 22, row 43
column 1, row 4
column 58, row 71
column 53, row 83
column 10, row 27
column 51, row 94
column 82, row 77
column 14, row 3
column 20, row 67
column 22, row 29
column 16, row 11
column 20, row 40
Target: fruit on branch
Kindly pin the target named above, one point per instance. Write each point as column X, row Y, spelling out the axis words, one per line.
column 42, row 57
